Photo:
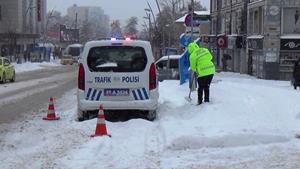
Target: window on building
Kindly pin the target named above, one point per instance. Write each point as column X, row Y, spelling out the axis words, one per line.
column 250, row 22
column 223, row 3
column 258, row 21
column 0, row 12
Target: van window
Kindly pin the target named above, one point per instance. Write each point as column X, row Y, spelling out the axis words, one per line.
column 117, row 59
column 162, row 64
column 74, row 51
column 174, row 63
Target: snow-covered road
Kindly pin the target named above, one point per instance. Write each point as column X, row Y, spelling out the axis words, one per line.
column 33, row 89
column 249, row 123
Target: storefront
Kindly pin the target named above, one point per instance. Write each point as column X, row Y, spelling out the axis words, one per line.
column 289, row 53
column 255, row 56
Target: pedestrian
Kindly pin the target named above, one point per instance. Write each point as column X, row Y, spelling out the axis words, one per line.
column 224, row 63
column 201, row 63
column 296, row 74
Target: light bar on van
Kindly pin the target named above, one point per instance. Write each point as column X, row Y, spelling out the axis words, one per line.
column 113, row 38
column 128, row 39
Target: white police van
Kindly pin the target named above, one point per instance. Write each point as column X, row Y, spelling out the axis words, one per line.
column 120, row 75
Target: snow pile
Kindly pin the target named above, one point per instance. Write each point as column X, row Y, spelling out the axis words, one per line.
column 31, row 66
column 249, row 123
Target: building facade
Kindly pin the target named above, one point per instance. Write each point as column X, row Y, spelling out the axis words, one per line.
column 22, row 24
column 269, row 31
column 228, row 33
column 89, row 15
column 273, row 38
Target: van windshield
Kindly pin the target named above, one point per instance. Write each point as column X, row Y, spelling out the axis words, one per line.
column 117, row 59
column 74, row 51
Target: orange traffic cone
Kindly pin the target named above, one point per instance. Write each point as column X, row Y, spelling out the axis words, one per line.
column 101, row 127
column 51, row 111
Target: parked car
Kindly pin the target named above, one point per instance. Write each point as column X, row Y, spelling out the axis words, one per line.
column 167, row 67
column 66, row 60
column 7, row 70
column 120, row 75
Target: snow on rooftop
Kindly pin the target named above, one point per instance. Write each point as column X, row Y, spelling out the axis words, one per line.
column 196, row 12
column 76, row 45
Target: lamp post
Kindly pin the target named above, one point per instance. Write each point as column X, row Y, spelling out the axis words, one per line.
column 149, row 19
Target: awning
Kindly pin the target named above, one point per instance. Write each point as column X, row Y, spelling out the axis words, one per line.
column 294, row 36
column 255, row 37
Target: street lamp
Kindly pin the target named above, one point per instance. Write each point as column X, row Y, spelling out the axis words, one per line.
column 149, row 19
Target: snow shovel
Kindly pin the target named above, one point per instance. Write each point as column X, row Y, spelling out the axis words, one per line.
column 188, row 98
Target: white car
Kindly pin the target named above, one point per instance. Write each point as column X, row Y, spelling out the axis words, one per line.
column 167, row 67
column 120, row 75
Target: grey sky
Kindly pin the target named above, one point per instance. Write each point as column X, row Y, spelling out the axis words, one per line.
column 116, row 9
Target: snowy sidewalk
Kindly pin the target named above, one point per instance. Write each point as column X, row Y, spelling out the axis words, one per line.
column 249, row 124
column 31, row 66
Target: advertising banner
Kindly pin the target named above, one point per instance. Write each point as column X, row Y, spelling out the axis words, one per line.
column 68, row 35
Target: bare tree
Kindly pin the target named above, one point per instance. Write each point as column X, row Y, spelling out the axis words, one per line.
column 131, row 27
column 116, row 30
column 85, row 32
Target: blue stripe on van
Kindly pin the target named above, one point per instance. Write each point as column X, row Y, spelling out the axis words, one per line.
column 98, row 96
column 145, row 93
column 140, row 94
column 134, row 95
column 94, row 93
column 88, row 94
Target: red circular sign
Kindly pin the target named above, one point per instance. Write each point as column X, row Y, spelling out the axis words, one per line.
column 221, row 42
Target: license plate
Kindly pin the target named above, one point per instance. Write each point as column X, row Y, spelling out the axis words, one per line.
column 116, row 92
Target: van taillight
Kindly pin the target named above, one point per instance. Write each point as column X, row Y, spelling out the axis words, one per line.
column 81, row 77
column 152, row 77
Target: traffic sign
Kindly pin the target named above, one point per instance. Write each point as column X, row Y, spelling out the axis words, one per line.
column 197, row 20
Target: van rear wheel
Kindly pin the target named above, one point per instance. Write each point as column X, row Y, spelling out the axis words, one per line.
column 151, row 115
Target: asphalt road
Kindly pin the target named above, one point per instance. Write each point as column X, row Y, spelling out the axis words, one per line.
column 32, row 90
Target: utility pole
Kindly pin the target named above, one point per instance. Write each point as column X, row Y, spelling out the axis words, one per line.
column 192, row 19
column 76, row 20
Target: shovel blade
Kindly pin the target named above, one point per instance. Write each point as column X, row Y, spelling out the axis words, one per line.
column 189, row 99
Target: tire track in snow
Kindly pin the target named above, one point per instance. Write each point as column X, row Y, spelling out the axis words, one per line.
column 154, row 145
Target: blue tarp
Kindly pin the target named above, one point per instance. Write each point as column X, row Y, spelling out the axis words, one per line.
column 184, row 64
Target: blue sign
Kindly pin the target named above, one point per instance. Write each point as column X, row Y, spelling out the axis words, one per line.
column 184, row 40
column 184, row 65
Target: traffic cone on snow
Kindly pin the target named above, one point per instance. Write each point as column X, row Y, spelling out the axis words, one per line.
column 51, row 111
column 101, row 127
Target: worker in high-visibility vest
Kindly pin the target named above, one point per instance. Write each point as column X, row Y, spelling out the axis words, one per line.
column 201, row 63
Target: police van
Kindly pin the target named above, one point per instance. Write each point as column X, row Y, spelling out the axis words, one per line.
column 120, row 74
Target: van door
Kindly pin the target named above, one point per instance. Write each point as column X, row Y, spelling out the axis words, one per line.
column 117, row 73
